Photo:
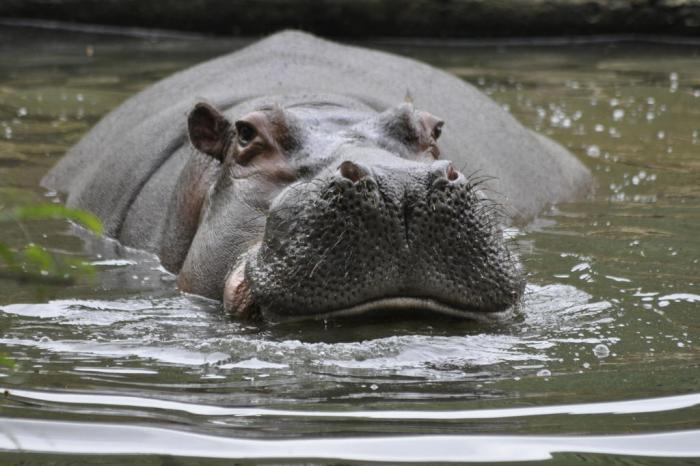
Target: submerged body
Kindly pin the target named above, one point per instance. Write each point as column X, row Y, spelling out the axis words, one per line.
column 325, row 196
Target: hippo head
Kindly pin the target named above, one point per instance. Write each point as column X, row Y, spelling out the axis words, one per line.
column 316, row 210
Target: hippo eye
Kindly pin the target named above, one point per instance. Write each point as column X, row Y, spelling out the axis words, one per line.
column 437, row 130
column 246, row 133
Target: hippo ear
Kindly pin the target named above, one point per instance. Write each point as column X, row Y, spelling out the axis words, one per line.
column 431, row 124
column 209, row 130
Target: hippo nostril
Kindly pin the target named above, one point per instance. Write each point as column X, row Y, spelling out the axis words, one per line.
column 443, row 173
column 352, row 171
column 451, row 173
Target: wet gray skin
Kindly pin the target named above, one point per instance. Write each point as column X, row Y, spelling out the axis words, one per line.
column 285, row 180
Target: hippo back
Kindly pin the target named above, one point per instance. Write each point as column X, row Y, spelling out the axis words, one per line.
column 111, row 169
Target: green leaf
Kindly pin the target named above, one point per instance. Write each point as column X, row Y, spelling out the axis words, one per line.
column 36, row 265
column 7, row 255
column 6, row 361
column 39, row 257
column 47, row 210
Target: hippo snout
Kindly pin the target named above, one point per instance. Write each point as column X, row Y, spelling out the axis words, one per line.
column 375, row 231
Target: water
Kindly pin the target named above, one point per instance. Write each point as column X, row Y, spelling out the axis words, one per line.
column 602, row 366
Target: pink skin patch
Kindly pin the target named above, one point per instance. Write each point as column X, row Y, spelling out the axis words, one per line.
column 238, row 300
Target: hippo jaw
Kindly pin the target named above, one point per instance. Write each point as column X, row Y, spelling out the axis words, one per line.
column 239, row 301
column 404, row 304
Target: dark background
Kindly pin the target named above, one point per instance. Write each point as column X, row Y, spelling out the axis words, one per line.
column 375, row 18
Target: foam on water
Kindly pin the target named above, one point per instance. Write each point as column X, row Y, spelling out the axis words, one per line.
column 185, row 332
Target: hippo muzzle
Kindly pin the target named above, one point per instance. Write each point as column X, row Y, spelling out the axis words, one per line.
column 375, row 231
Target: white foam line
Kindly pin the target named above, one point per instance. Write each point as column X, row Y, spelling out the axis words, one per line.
column 645, row 405
column 119, row 348
column 114, row 370
column 691, row 298
column 58, row 437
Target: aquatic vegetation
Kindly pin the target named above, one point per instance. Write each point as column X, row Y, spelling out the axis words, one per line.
column 34, row 263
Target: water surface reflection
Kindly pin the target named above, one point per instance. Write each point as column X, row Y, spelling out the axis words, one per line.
column 605, row 343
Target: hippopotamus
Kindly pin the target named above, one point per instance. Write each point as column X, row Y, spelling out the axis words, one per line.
column 300, row 178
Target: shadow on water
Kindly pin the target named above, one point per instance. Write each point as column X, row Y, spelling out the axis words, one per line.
column 379, row 324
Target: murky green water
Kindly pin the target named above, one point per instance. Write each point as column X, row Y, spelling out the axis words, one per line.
column 603, row 365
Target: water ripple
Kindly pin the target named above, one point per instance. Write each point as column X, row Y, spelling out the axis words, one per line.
column 110, row 439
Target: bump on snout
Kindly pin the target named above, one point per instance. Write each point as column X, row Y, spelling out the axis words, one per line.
column 352, row 171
